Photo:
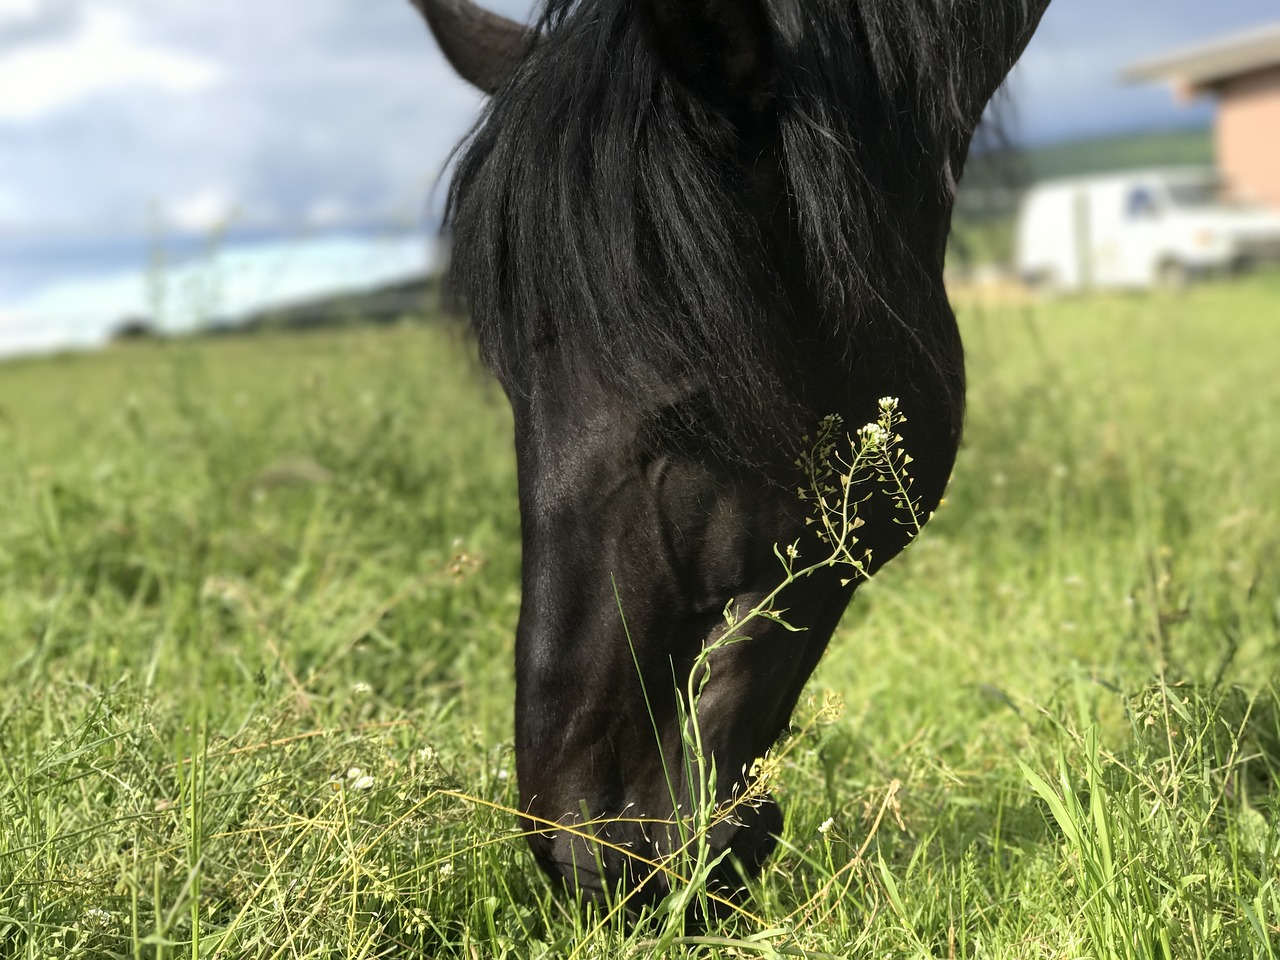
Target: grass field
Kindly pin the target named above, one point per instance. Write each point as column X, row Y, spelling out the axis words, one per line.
column 257, row 599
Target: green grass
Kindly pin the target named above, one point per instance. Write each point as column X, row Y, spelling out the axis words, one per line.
column 257, row 599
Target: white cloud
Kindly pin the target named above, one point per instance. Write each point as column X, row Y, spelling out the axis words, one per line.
column 102, row 55
column 207, row 209
column 330, row 211
column 18, row 10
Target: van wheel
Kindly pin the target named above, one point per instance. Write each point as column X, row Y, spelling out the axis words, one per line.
column 1172, row 275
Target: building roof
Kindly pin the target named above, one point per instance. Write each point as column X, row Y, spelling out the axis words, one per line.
column 1203, row 66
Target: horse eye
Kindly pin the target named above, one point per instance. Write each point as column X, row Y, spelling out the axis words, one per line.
column 683, row 428
column 704, row 529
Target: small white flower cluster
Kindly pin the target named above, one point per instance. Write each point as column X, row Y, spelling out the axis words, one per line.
column 356, row 779
column 96, row 917
column 830, row 822
column 872, row 435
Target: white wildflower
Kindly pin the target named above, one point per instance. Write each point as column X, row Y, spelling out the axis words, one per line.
column 361, row 689
column 357, row 779
column 97, row 917
column 873, row 435
column 830, row 822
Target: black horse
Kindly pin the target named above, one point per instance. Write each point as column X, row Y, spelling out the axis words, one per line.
column 686, row 230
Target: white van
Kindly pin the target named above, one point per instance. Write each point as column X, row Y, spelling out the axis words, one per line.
column 1137, row 229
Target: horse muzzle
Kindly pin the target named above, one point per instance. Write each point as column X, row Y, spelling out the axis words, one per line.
column 639, row 859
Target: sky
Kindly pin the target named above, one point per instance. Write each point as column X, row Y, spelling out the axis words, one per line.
column 139, row 136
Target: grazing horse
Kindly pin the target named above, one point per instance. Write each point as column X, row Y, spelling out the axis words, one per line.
column 685, row 231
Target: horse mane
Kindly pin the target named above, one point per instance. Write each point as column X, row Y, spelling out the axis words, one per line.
column 601, row 210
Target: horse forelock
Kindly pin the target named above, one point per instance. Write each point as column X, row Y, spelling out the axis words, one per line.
column 602, row 214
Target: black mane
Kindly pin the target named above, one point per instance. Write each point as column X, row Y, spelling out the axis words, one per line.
column 603, row 209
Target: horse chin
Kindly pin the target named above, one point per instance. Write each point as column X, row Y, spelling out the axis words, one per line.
column 632, row 858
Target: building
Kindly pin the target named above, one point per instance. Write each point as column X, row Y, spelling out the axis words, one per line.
column 1243, row 73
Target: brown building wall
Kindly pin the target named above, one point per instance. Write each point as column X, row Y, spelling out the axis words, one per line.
column 1248, row 134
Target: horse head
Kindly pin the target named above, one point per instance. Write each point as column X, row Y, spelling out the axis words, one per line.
column 687, row 230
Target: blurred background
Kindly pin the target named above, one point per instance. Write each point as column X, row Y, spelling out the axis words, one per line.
column 170, row 166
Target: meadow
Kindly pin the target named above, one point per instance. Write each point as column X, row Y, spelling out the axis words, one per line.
column 257, row 602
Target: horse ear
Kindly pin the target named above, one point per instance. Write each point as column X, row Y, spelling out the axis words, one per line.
column 483, row 47
column 722, row 49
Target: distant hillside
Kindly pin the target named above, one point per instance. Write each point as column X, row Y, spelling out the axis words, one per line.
column 1160, row 149
column 414, row 297
column 1018, row 169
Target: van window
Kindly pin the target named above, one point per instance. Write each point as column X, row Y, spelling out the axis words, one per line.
column 1141, row 204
